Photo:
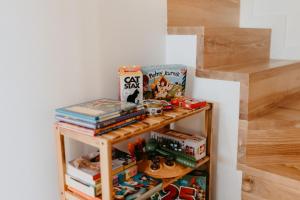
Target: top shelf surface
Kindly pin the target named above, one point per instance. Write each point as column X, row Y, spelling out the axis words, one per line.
column 146, row 125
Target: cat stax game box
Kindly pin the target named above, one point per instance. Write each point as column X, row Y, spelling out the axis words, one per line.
column 131, row 84
column 164, row 82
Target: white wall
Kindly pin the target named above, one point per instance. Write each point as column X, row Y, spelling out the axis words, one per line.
column 58, row 52
column 227, row 182
column 280, row 15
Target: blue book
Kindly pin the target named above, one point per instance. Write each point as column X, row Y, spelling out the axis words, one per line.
column 97, row 110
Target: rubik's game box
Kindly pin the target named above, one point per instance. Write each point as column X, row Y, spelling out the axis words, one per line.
column 131, row 84
column 164, row 82
column 192, row 186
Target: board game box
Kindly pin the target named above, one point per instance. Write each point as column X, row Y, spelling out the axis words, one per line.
column 138, row 187
column 164, row 82
column 131, row 84
column 187, row 145
column 192, row 186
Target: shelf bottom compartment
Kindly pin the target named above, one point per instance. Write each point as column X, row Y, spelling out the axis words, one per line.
column 69, row 195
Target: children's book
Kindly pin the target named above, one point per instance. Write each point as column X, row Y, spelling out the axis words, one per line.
column 164, row 82
column 98, row 110
column 140, row 186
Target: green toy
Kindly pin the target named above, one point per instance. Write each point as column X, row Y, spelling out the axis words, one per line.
column 152, row 148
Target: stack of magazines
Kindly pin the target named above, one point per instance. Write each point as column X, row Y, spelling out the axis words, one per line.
column 99, row 116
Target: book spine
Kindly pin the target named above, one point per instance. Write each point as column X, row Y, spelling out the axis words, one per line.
column 76, row 121
column 116, row 127
column 119, row 119
column 94, row 120
column 76, row 115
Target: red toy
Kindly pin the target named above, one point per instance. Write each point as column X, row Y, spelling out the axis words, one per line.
column 188, row 103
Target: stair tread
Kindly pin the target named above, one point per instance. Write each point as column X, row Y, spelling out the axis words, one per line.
column 286, row 112
column 255, row 67
column 282, row 169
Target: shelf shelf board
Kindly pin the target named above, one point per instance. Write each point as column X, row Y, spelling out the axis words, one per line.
column 149, row 124
column 72, row 196
column 169, row 181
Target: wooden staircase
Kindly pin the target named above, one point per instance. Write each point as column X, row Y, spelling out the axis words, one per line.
column 269, row 133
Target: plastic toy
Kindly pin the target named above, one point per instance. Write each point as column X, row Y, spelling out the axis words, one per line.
column 188, row 103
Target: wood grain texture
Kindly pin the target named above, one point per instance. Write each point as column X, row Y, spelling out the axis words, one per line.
column 270, row 87
column 273, row 149
column 61, row 161
column 208, row 13
column 287, row 175
column 263, row 84
column 219, row 47
column 247, row 196
column 277, row 132
column 105, row 148
column 229, row 46
column 265, row 189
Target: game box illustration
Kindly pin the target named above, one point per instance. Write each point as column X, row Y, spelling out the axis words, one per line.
column 164, row 82
column 192, row 186
column 131, row 84
column 138, row 187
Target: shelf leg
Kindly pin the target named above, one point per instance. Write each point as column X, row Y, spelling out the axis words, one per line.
column 61, row 160
column 209, row 135
column 106, row 172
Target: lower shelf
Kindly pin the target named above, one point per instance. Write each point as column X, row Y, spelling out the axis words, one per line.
column 69, row 195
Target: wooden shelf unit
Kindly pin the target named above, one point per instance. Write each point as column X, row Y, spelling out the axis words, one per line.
column 105, row 142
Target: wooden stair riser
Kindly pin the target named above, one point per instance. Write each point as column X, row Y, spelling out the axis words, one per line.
column 268, row 89
column 273, row 124
column 273, row 142
column 208, row 13
column 227, row 46
column 265, row 189
column 274, row 150
column 230, row 46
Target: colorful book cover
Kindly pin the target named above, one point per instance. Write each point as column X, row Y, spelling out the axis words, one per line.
column 99, row 125
column 164, row 82
column 97, row 109
column 192, row 186
column 131, row 84
column 141, row 186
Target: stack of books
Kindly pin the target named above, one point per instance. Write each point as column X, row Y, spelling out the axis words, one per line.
column 83, row 174
column 99, row 116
